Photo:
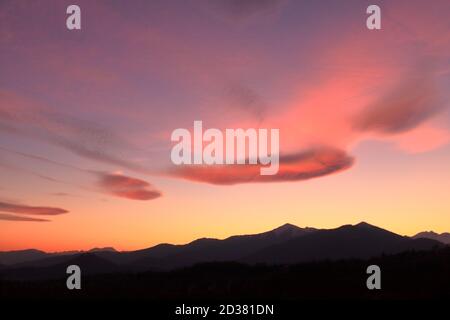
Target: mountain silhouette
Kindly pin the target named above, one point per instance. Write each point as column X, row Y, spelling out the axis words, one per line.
column 169, row 256
column 89, row 263
column 229, row 249
column 287, row 244
column 361, row 241
column 19, row 256
column 443, row 237
column 31, row 255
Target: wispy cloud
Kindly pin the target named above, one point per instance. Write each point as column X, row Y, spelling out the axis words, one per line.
column 115, row 184
column 33, row 210
column 84, row 138
column 10, row 217
column 62, row 194
column 127, row 187
column 247, row 99
column 410, row 104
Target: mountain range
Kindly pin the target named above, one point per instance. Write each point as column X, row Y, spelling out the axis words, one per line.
column 287, row 244
column 443, row 237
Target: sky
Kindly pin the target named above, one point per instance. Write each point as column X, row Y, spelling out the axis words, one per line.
column 86, row 118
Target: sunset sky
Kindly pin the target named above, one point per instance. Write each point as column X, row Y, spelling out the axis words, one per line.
column 86, row 118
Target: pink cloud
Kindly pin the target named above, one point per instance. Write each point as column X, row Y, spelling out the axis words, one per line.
column 10, row 217
column 127, row 187
column 33, row 210
column 305, row 165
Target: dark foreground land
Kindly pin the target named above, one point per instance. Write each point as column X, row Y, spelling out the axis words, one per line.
column 408, row 275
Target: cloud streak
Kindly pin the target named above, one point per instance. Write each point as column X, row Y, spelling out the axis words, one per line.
column 313, row 163
column 410, row 104
column 84, row 138
column 10, row 217
column 115, row 184
column 32, row 210
column 247, row 99
column 127, row 187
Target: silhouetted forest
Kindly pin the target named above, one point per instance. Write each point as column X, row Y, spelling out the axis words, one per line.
column 407, row 275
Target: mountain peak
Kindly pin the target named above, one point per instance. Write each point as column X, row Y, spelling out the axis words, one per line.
column 286, row 227
column 443, row 237
column 364, row 224
column 427, row 233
